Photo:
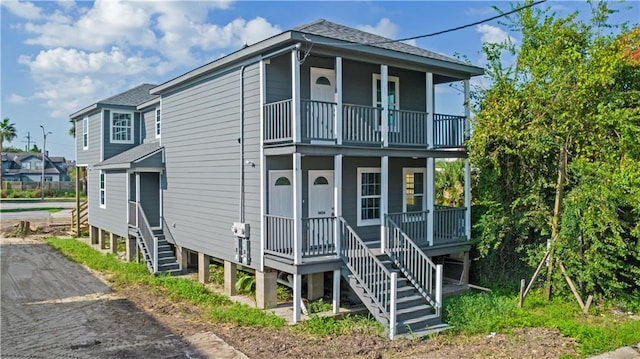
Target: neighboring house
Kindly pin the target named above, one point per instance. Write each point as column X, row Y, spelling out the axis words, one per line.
column 303, row 156
column 27, row 167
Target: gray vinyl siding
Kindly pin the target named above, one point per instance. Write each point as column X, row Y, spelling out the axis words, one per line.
column 149, row 125
column 91, row 155
column 150, row 197
column 113, row 218
column 112, row 149
column 202, row 159
column 278, row 79
column 153, row 161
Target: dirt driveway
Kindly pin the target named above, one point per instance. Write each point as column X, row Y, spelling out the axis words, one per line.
column 54, row 308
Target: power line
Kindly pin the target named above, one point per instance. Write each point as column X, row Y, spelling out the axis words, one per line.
column 437, row 32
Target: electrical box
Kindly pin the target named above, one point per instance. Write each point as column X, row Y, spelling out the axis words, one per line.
column 240, row 229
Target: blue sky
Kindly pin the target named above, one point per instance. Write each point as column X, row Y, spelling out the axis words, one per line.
column 60, row 56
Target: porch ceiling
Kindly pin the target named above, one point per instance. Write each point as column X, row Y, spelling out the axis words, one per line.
column 331, row 150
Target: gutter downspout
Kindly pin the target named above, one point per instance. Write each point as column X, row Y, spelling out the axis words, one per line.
column 242, row 185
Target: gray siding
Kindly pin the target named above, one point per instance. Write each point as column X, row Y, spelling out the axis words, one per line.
column 201, row 129
column 150, row 197
column 91, row 155
column 112, row 149
column 113, row 218
column 278, row 79
column 148, row 124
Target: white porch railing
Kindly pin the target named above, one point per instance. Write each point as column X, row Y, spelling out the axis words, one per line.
column 361, row 124
column 449, row 224
column 408, row 128
column 425, row 275
column 317, row 236
column 414, row 224
column 318, row 120
column 448, row 130
column 277, row 121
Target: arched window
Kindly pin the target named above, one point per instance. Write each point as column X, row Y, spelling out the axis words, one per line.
column 283, row 181
column 323, row 81
column 320, row 181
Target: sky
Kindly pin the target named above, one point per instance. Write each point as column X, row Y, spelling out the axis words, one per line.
column 58, row 57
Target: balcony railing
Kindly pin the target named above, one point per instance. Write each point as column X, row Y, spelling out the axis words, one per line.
column 317, row 236
column 449, row 224
column 361, row 125
column 448, row 131
column 414, row 224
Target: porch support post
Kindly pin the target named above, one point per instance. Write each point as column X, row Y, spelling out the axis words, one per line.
column 263, row 167
column 131, row 249
column 203, row 267
column 431, row 199
column 315, row 286
column 384, row 200
column 336, row 291
column 182, row 257
column 113, row 243
column 137, row 199
column 430, row 109
column 230, row 276
column 467, row 111
column 101, row 235
column 295, row 96
column 266, row 289
column 467, row 198
column 297, row 208
column 338, row 117
column 77, row 219
column 297, row 297
column 337, row 200
column 384, row 94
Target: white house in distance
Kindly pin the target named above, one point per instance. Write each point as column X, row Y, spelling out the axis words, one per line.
column 309, row 155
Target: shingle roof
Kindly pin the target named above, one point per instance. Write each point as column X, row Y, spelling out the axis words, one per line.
column 131, row 155
column 132, row 97
column 335, row 31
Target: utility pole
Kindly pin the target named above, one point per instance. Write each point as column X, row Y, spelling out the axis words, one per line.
column 44, row 153
column 28, row 141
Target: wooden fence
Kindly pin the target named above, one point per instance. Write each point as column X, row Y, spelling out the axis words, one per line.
column 62, row 185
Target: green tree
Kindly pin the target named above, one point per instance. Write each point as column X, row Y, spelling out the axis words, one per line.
column 449, row 183
column 7, row 132
column 561, row 125
column 35, row 149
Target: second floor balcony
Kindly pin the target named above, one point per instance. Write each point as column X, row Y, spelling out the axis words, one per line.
column 359, row 125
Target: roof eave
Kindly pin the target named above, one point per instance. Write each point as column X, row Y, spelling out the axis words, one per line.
column 84, row 111
column 153, row 102
column 247, row 52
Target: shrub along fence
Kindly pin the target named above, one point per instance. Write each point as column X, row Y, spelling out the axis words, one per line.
column 61, row 185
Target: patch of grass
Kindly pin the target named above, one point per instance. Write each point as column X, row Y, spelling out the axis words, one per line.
column 331, row 326
column 319, row 306
column 246, row 316
column 493, row 312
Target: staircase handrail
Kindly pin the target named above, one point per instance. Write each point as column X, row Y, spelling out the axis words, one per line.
column 424, row 274
column 383, row 295
column 166, row 231
column 150, row 241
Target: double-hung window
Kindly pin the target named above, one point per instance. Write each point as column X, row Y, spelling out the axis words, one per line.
column 158, row 122
column 103, row 190
column 121, row 127
column 369, row 196
column 85, row 133
column 414, row 189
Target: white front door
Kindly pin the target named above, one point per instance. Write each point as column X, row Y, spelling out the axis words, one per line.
column 281, row 193
column 320, row 193
column 320, row 114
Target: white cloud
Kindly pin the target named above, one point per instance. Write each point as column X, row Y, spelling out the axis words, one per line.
column 25, row 10
column 17, row 99
column 493, row 34
column 384, row 27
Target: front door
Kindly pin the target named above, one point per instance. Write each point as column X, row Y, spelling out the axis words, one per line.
column 320, row 111
column 320, row 193
column 281, row 193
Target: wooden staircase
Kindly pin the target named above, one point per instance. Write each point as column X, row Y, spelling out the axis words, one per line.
column 84, row 219
column 156, row 250
column 386, row 285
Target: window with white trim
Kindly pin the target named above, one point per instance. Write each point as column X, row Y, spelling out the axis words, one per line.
column 103, row 190
column 413, row 187
column 85, row 133
column 369, row 196
column 158, row 122
column 121, row 127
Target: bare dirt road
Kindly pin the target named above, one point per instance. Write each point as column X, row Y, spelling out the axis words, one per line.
column 54, row 308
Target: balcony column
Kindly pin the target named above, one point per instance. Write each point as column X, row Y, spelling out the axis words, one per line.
column 263, row 166
column 137, row 199
column 295, row 96
column 338, row 116
column 297, row 208
column 430, row 109
column 431, row 199
column 467, row 198
column 384, row 94
column 467, row 112
column 337, row 208
column 384, row 200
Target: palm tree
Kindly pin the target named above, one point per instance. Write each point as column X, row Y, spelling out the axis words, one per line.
column 7, row 132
